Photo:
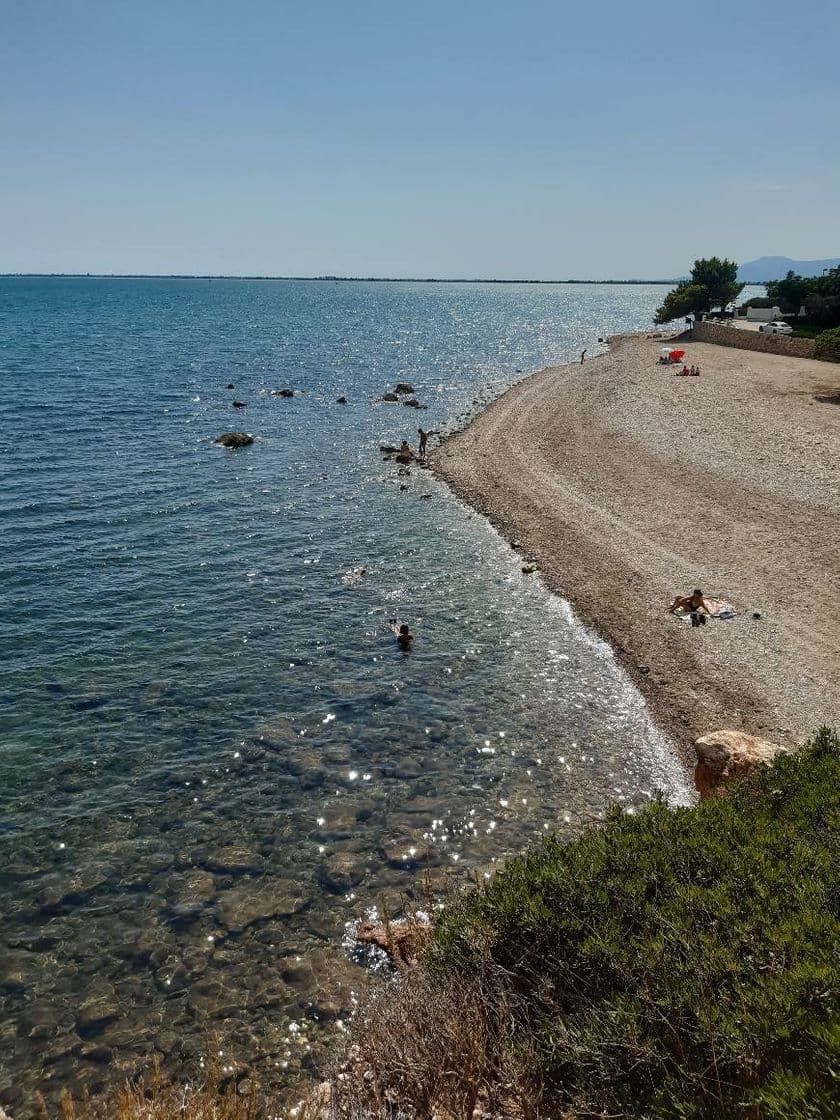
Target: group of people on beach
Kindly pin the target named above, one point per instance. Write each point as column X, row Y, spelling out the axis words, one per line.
column 694, row 371
column 406, row 452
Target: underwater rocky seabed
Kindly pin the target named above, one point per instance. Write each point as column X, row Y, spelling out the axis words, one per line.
column 214, row 758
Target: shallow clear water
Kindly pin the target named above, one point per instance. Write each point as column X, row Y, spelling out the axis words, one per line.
column 212, row 755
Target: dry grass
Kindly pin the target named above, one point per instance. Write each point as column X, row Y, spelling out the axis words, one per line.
column 428, row 1044
column 155, row 1097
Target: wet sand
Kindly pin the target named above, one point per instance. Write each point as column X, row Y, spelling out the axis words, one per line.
column 627, row 485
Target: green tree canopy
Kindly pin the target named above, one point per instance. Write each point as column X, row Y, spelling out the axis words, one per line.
column 822, row 304
column 685, row 299
column 789, row 294
column 713, row 281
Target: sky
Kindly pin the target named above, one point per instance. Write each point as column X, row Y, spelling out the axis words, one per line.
column 538, row 139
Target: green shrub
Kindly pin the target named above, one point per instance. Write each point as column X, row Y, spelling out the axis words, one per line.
column 827, row 345
column 671, row 964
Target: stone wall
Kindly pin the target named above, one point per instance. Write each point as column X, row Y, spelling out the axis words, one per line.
column 752, row 340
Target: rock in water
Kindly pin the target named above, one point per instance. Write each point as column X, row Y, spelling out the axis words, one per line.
column 404, row 387
column 723, row 756
column 238, row 404
column 390, row 398
column 234, row 439
column 191, row 892
column 341, row 872
column 252, row 902
column 402, row 941
column 282, row 392
column 341, row 400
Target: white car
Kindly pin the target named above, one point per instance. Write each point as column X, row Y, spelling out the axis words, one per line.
column 776, row 328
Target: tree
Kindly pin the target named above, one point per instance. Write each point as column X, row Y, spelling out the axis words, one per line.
column 685, row 299
column 823, row 302
column 790, row 294
column 712, row 283
column 719, row 278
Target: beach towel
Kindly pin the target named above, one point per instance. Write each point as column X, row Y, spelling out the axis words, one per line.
column 721, row 610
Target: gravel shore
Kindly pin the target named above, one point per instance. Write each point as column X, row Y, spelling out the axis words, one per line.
column 628, row 485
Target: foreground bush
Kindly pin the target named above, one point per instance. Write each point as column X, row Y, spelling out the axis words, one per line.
column 827, row 345
column 672, row 964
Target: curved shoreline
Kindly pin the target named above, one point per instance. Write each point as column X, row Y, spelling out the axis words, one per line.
column 628, row 485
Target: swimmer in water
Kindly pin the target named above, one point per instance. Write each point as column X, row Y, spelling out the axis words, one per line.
column 403, row 634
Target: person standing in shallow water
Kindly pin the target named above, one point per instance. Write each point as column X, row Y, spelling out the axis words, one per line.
column 582, row 356
column 421, row 449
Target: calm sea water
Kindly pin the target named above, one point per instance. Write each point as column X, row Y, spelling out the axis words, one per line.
column 212, row 755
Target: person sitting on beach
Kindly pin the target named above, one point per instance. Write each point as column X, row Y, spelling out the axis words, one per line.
column 403, row 634
column 691, row 604
column 695, row 371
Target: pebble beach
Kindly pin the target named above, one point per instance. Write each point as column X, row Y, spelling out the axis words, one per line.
column 627, row 485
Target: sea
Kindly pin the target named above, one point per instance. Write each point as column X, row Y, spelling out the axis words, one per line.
column 214, row 756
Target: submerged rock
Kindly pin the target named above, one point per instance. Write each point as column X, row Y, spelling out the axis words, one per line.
column 238, row 404
column 191, row 893
column 234, row 439
column 60, row 889
column 96, row 1011
column 241, row 906
column 282, row 392
column 413, row 402
column 278, row 734
column 235, row 859
column 20, row 970
column 402, row 941
column 342, row 871
column 723, row 756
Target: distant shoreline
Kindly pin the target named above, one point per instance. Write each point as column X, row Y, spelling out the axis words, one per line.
column 309, row 279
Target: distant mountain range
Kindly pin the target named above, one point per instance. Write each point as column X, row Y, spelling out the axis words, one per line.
column 777, row 268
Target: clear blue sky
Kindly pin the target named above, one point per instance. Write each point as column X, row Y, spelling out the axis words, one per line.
column 538, row 138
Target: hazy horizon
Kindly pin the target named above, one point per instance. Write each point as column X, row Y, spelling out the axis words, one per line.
column 449, row 142
column 326, row 277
